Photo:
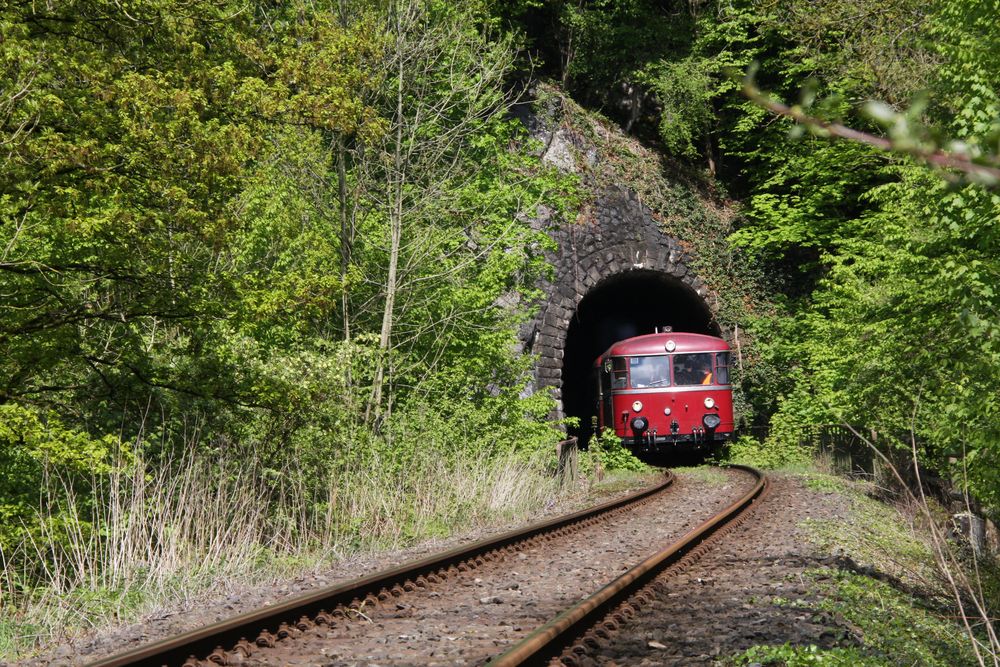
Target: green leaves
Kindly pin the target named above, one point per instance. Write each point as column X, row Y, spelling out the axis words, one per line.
column 685, row 89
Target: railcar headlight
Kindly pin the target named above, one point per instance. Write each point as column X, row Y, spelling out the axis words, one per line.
column 640, row 424
column 670, row 346
column 709, row 402
column 637, row 406
column 666, row 411
column 711, row 421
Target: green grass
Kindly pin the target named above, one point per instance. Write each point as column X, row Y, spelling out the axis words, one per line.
column 877, row 535
column 801, row 656
column 619, row 481
column 824, row 483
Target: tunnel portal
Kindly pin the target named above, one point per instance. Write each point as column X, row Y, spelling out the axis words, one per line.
column 616, row 274
column 621, row 306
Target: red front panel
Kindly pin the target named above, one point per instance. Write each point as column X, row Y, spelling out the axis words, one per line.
column 687, row 407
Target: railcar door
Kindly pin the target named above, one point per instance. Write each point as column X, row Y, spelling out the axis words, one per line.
column 607, row 415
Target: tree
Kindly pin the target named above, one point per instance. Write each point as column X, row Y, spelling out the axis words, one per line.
column 445, row 86
column 900, row 332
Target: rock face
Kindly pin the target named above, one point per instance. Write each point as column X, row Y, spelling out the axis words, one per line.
column 615, row 235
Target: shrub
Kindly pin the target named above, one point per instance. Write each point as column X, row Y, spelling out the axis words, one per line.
column 608, row 450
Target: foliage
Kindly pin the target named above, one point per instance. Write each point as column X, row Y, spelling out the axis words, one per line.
column 803, row 656
column 34, row 447
column 607, row 448
column 885, row 264
column 597, row 41
column 196, row 240
column 778, row 450
column 685, row 90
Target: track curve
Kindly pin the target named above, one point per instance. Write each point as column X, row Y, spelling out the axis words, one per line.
column 577, row 629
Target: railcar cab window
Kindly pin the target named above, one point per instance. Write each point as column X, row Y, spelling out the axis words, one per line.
column 652, row 371
column 693, row 369
column 619, row 373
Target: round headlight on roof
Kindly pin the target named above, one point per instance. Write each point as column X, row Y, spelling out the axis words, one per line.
column 670, row 346
column 637, row 406
column 709, row 402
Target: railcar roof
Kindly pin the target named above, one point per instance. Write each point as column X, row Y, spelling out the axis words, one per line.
column 655, row 344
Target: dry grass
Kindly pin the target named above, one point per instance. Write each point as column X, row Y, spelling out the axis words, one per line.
column 156, row 540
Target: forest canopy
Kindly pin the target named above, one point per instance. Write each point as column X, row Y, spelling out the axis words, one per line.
column 265, row 231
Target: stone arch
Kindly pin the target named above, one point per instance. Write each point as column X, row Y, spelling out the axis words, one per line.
column 614, row 267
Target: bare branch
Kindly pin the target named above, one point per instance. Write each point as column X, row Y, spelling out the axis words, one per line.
column 984, row 174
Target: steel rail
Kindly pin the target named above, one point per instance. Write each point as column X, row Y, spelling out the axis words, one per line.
column 175, row 650
column 551, row 639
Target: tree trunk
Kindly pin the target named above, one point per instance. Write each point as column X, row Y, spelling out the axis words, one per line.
column 346, row 234
column 395, row 234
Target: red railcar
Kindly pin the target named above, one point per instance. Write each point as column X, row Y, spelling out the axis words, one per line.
column 664, row 392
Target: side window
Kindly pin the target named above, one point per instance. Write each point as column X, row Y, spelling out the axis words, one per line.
column 619, row 373
column 722, row 367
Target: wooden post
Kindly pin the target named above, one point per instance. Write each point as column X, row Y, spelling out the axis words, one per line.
column 569, row 462
column 739, row 350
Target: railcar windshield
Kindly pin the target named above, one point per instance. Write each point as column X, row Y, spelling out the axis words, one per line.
column 652, row 371
column 692, row 369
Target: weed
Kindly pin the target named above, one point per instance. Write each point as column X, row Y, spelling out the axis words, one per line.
column 881, row 536
column 774, row 453
column 708, row 475
column 803, row 656
column 608, row 450
column 824, row 483
column 897, row 629
column 890, row 595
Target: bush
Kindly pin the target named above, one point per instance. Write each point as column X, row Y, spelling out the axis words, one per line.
column 608, row 450
column 779, row 449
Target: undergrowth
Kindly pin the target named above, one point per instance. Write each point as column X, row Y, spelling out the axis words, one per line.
column 882, row 537
column 774, row 452
column 607, row 451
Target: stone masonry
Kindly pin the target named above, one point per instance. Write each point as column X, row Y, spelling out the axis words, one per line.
column 616, row 235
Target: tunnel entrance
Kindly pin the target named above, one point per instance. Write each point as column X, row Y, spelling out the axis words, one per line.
column 621, row 306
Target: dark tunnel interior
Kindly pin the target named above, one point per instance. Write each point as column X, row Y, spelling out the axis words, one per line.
column 625, row 305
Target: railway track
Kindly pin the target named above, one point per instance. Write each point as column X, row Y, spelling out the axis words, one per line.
column 569, row 638
column 343, row 614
